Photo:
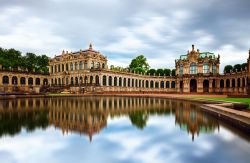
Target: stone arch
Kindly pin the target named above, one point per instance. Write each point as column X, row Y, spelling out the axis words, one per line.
column 22, row 81
column 110, row 80
column 167, row 84
column 115, row 81
column 222, row 83
column 14, row 80
column 120, row 81
column 243, row 82
column 5, row 79
column 129, row 82
column 205, row 86
column 38, row 81
column 162, row 84
column 193, row 85
column 151, row 84
column 140, row 83
column 136, row 83
column 228, row 83
column 238, row 82
column 104, row 80
column 124, row 82
column 133, row 82
column 97, row 80
column 156, row 84
column 233, row 83
column 45, row 81
column 173, row 84
column 30, row 81
column 147, row 85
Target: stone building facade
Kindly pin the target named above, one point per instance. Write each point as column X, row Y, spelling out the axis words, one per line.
column 87, row 71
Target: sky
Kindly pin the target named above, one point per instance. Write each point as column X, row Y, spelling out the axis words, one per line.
column 162, row 30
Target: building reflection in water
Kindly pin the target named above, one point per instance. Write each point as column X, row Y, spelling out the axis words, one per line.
column 89, row 115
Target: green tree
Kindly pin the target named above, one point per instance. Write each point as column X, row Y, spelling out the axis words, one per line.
column 228, row 68
column 167, row 72
column 243, row 66
column 30, row 61
column 139, row 119
column 173, row 72
column 160, row 72
column 139, row 61
column 139, row 70
column 237, row 68
column 151, row 72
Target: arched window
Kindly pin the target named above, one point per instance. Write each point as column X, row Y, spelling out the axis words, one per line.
column 110, row 80
column 146, row 83
column 181, row 70
column 238, row 82
column 92, row 64
column 80, row 65
column 62, row 67
column 5, row 80
column 103, row 65
column 124, row 82
column 104, row 80
column 133, row 82
column 205, row 68
column 85, row 65
column 115, row 81
column 76, row 66
column 128, row 82
column 14, row 80
column 167, row 84
column 80, row 80
column 227, row 83
column 71, row 80
column 162, row 84
column 22, row 81
column 193, row 68
column 30, row 81
column 173, row 84
column 156, row 84
column 45, row 81
column 37, row 81
column 71, row 66
column 221, row 83
column 67, row 67
column 120, row 81
column 233, row 83
column 97, row 80
column 76, row 80
column 214, row 70
column 151, row 84
column 98, row 65
column 59, row 68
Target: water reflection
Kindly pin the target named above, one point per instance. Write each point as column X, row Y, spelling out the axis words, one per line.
column 89, row 115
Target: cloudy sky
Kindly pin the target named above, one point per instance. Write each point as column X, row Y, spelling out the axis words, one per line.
column 162, row 30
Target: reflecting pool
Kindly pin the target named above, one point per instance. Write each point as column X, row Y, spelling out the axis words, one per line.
column 115, row 129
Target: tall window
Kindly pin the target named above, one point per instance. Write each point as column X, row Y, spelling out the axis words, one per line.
column 62, row 67
column 85, row 65
column 214, row 69
column 76, row 66
column 181, row 70
column 80, row 65
column 205, row 68
column 59, row 68
column 71, row 66
column 92, row 65
column 193, row 68
column 98, row 65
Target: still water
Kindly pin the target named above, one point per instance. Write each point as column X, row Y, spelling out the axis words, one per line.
column 115, row 129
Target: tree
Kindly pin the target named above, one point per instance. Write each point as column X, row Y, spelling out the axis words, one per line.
column 160, row 72
column 167, row 72
column 228, row 68
column 139, row 61
column 237, row 68
column 151, row 72
column 139, row 119
column 243, row 66
column 139, row 70
column 173, row 72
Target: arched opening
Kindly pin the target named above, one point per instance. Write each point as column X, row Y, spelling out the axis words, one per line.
column 91, row 78
column 45, row 81
column 86, row 80
column 76, row 80
column 193, row 85
column 80, row 80
column 37, row 81
column 233, row 83
column 167, row 84
column 128, row 82
column 30, row 81
column 162, row 84
column 140, row 83
column 156, row 84
column 133, row 84
column 110, row 80
column 136, row 83
column 5, row 80
column 97, row 80
column 104, row 80
column 22, row 81
column 173, row 84
column 221, row 83
column 205, row 86
column 228, row 83
column 238, row 82
column 71, row 81
column 146, row 83
column 120, row 81
column 55, row 81
column 14, row 80
column 115, row 81
column 59, row 81
column 124, row 82
column 214, row 83
column 243, row 82
column 151, row 84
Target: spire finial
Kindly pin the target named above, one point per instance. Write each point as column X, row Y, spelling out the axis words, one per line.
column 90, row 46
column 193, row 47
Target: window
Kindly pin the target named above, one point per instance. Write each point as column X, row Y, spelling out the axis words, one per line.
column 205, row 68
column 92, row 65
column 98, row 65
column 85, row 65
column 181, row 70
column 80, row 65
column 214, row 69
column 76, row 66
column 193, row 68
column 71, row 66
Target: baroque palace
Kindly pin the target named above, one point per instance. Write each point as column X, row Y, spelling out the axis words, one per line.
column 87, row 71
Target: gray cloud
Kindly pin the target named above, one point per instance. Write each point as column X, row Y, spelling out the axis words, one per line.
column 162, row 30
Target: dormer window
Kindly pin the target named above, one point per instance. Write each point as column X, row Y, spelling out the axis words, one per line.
column 193, row 68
